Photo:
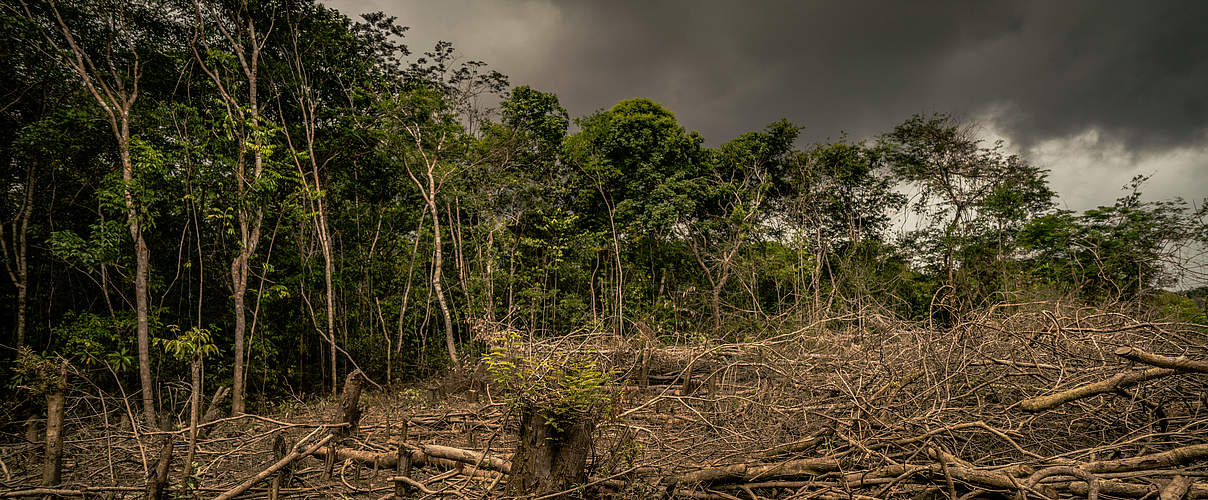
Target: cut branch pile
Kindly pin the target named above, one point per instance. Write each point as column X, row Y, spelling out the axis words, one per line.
column 1034, row 400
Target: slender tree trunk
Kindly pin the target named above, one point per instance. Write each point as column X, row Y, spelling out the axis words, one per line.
column 325, row 243
column 18, row 270
column 142, row 258
column 117, row 100
column 22, row 305
column 194, row 415
column 249, row 219
column 450, row 340
column 619, row 325
column 715, row 303
column 239, row 280
column 402, row 310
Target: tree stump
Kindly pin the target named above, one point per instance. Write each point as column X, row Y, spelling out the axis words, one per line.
column 351, row 417
column 283, row 476
column 549, row 459
column 350, row 403
column 55, row 400
column 157, row 484
column 403, row 469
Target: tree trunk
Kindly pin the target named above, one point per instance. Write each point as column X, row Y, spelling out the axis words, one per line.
column 22, row 305
column 239, row 282
column 142, row 257
column 194, row 416
column 330, row 294
column 23, row 258
column 715, row 306
column 18, row 271
column 450, row 340
column 549, row 460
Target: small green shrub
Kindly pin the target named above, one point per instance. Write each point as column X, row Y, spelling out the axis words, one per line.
column 563, row 388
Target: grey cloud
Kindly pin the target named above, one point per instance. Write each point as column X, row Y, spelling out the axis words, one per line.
column 1134, row 71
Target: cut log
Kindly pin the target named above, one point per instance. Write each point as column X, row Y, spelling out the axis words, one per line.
column 350, row 406
column 279, row 451
column 403, row 467
column 806, row 467
column 1169, row 458
column 422, row 456
column 1115, row 487
column 1176, row 489
column 1119, row 381
column 1180, row 363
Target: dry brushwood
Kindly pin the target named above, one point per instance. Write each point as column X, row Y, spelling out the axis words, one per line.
column 1033, row 400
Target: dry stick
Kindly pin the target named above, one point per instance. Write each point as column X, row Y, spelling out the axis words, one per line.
column 404, row 482
column 1180, row 363
column 211, row 414
column 423, row 455
column 1119, row 381
column 947, row 474
column 64, row 492
column 294, row 455
column 795, row 446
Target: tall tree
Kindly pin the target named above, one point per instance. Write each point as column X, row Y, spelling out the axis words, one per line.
column 638, row 168
column 110, row 63
column 422, row 133
column 228, row 44
column 962, row 184
column 734, row 195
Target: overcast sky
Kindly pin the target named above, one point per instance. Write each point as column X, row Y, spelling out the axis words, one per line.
column 1094, row 91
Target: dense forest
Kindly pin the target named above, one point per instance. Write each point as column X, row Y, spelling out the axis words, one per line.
column 268, row 196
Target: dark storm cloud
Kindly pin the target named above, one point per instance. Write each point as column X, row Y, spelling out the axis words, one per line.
column 1096, row 91
column 1137, row 70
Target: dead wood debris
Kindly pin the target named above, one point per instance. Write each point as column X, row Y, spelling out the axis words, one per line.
column 1037, row 400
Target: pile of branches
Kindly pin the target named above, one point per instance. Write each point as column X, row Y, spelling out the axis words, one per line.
column 1037, row 400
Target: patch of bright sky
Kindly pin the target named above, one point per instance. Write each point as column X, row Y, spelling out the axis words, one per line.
column 1090, row 169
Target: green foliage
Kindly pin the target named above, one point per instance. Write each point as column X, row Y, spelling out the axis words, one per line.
column 97, row 340
column 190, row 345
column 562, row 389
column 975, row 199
column 1181, row 308
column 845, row 190
column 628, row 222
column 1118, row 251
column 37, row 373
